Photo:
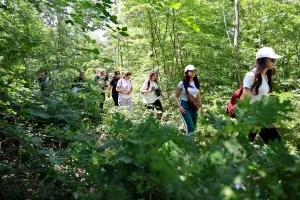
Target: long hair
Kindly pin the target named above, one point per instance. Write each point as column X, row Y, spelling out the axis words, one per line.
column 186, row 81
column 152, row 73
column 260, row 66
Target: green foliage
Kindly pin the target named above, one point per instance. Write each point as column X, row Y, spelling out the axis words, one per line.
column 58, row 144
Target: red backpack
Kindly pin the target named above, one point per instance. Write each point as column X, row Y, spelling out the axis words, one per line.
column 230, row 107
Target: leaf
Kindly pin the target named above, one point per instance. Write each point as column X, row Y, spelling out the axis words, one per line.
column 38, row 113
column 68, row 21
column 107, row 14
column 175, row 6
column 113, row 18
column 123, row 33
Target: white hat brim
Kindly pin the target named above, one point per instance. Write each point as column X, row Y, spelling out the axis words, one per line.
column 275, row 56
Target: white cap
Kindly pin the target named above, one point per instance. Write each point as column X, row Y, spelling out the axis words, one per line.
column 189, row 67
column 267, row 52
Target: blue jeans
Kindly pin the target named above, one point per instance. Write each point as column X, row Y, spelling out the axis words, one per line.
column 190, row 117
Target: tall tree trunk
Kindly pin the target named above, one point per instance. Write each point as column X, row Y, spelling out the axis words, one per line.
column 118, row 49
column 180, row 52
column 121, row 55
column 236, row 43
column 225, row 23
column 174, row 49
column 152, row 42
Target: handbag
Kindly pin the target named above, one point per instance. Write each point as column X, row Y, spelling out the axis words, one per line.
column 157, row 92
column 194, row 102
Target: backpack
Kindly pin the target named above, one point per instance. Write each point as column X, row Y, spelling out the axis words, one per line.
column 230, row 107
column 236, row 95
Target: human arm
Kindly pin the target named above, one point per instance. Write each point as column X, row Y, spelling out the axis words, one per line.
column 118, row 87
column 177, row 95
column 247, row 84
column 128, row 92
column 246, row 93
column 200, row 101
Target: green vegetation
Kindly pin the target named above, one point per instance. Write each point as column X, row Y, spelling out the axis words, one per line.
column 57, row 144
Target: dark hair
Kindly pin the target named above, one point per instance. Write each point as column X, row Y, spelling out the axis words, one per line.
column 260, row 66
column 117, row 72
column 127, row 74
column 186, row 81
column 151, row 73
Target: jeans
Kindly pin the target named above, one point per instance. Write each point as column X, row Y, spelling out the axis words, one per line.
column 190, row 117
column 126, row 102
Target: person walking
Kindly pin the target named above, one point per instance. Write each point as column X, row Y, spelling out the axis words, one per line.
column 259, row 82
column 150, row 93
column 113, row 86
column 78, row 81
column 102, row 80
column 190, row 85
column 124, row 88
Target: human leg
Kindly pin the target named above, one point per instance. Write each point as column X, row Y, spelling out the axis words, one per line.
column 269, row 134
column 194, row 115
column 157, row 105
column 187, row 117
column 130, row 104
column 102, row 99
column 122, row 102
column 115, row 98
column 252, row 136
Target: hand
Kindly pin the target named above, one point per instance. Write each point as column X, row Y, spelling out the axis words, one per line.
column 202, row 112
column 181, row 109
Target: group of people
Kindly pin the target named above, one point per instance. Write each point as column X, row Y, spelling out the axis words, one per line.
column 120, row 88
column 256, row 83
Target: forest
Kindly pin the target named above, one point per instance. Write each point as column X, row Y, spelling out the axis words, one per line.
column 57, row 143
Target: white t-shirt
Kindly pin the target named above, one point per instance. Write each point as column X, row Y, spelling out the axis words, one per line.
column 125, row 86
column 192, row 90
column 262, row 90
column 149, row 97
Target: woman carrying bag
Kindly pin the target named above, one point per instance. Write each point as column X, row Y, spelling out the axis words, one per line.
column 188, row 98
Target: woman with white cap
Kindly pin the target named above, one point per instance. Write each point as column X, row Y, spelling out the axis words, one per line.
column 189, row 85
column 259, row 82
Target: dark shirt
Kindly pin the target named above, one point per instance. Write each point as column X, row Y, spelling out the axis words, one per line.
column 78, row 82
column 113, row 83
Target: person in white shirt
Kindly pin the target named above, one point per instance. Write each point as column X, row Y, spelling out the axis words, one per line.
column 259, row 82
column 150, row 93
column 124, row 87
column 190, row 83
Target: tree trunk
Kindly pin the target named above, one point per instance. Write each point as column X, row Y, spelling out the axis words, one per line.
column 225, row 23
column 152, row 42
column 236, row 43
